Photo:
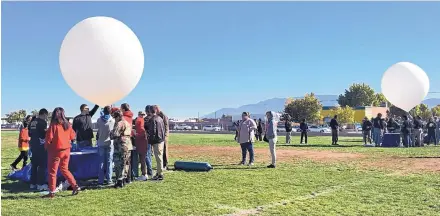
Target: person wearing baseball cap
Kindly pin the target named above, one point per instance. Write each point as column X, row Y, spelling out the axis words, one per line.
column 141, row 144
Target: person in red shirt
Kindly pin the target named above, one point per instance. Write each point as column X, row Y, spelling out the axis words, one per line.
column 58, row 138
column 23, row 144
column 141, row 145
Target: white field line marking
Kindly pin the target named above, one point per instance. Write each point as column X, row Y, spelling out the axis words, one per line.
column 257, row 210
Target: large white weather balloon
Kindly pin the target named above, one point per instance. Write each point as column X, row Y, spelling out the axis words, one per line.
column 101, row 59
column 405, row 85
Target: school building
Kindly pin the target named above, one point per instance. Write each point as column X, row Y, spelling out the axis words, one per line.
column 359, row 112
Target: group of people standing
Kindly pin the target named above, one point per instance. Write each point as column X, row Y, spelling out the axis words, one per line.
column 50, row 148
column 246, row 136
column 411, row 130
column 121, row 140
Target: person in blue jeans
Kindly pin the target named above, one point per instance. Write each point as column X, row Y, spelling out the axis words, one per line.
column 406, row 129
column 246, row 138
column 149, row 150
column 105, row 146
column 148, row 161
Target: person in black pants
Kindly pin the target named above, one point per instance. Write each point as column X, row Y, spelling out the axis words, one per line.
column 259, row 130
column 37, row 132
column 304, row 128
column 431, row 126
column 335, row 130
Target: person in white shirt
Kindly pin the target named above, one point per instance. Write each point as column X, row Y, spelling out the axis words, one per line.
column 246, row 137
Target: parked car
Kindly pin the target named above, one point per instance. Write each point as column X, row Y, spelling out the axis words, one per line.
column 318, row 129
column 211, row 128
column 281, row 129
column 182, row 127
column 195, row 128
column 299, row 130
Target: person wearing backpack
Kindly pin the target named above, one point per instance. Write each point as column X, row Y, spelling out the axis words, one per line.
column 155, row 129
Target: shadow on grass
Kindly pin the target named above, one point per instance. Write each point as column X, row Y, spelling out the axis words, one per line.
column 16, row 187
column 320, row 146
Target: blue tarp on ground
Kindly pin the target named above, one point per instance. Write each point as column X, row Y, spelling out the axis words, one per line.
column 84, row 164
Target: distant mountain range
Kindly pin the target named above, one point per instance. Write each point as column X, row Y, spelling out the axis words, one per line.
column 277, row 104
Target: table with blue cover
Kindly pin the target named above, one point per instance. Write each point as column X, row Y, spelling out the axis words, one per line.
column 391, row 140
column 84, row 164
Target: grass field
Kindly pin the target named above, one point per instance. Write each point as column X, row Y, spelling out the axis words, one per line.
column 317, row 179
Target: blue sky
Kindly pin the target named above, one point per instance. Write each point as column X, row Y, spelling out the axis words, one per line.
column 209, row 55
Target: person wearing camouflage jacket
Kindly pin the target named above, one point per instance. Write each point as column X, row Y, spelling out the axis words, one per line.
column 122, row 146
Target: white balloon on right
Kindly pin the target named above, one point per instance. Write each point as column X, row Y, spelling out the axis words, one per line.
column 405, row 85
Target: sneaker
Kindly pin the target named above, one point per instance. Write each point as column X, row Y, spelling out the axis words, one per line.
column 76, row 190
column 158, row 178
column 251, row 164
column 49, row 195
column 59, row 188
column 127, row 181
column 43, row 187
column 33, row 187
column 119, row 184
column 271, row 166
column 142, row 178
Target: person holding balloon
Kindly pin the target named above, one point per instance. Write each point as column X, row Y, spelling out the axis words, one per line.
column 58, row 138
column 121, row 135
column 82, row 125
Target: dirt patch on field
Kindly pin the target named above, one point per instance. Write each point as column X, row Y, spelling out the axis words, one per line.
column 405, row 165
column 228, row 153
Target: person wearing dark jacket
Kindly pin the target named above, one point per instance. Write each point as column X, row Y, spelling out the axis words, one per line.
column 155, row 129
column 259, row 130
column 167, row 133
column 418, row 131
column 392, row 126
column 304, row 128
column 335, row 130
column 432, row 126
column 82, row 125
column 288, row 126
column 37, row 133
column 378, row 127
column 366, row 130
column 405, row 130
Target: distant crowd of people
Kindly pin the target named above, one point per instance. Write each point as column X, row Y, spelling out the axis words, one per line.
column 118, row 133
column 412, row 130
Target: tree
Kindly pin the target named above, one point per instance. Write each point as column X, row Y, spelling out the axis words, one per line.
column 380, row 99
column 358, row 95
column 421, row 110
column 11, row 117
column 436, row 110
column 345, row 114
column 34, row 112
column 308, row 108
